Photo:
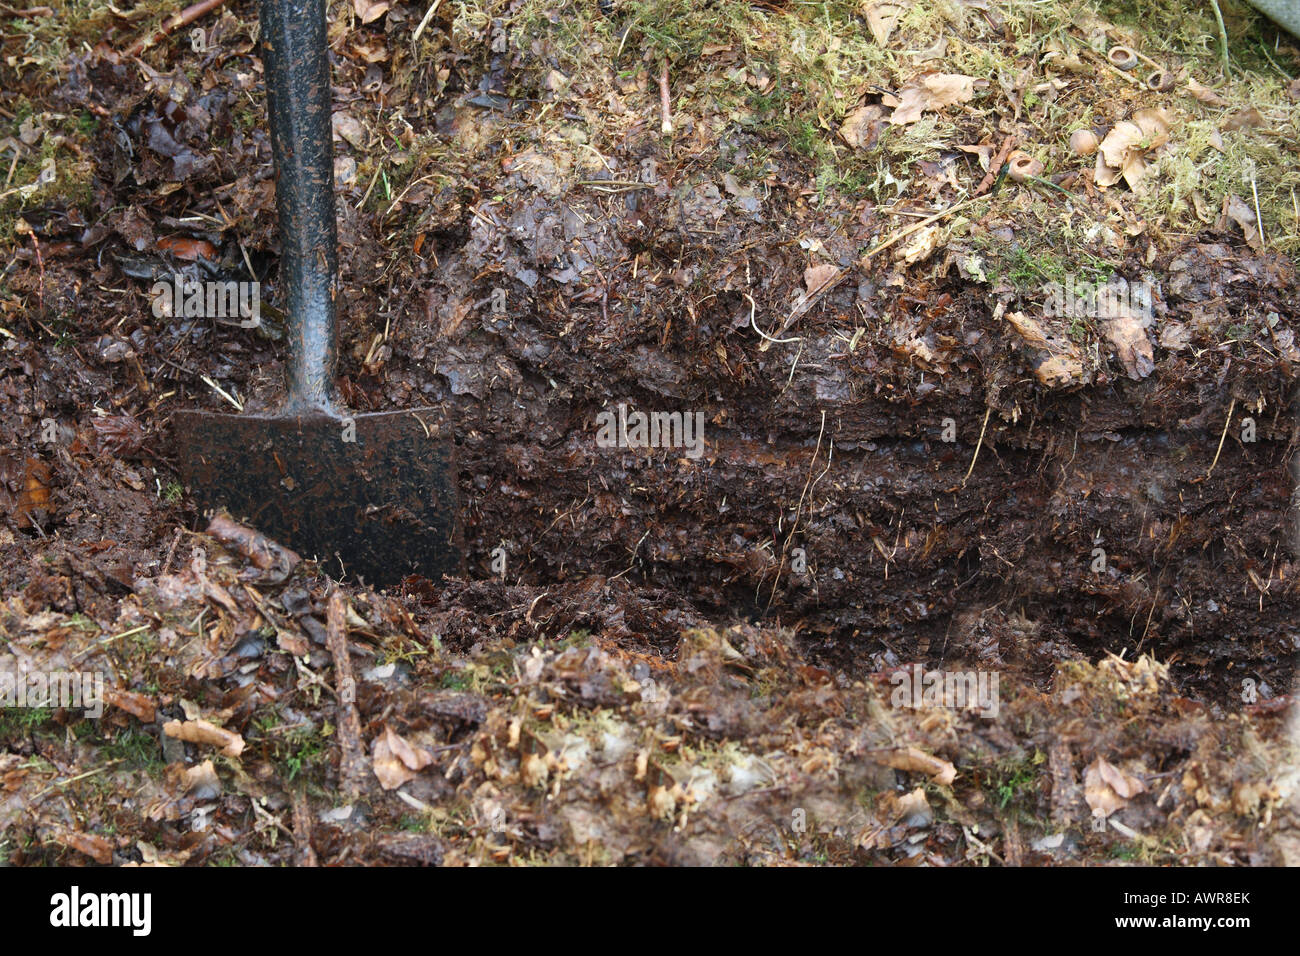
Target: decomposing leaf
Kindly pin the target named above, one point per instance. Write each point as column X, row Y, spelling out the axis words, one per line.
column 395, row 761
column 1235, row 209
column 817, row 276
column 1249, row 118
column 1057, row 360
column 913, row 809
column 368, row 11
column 1107, row 788
column 1122, row 154
column 861, row 127
column 201, row 781
column 931, row 92
column 349, row 128
column 910, row 758
column 1125, row 329
column 882, row 16
column 92, row 845
column 137, row 705
column 202, row 732
column 1205, row 94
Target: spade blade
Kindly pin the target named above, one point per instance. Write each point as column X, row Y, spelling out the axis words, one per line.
column 370, row 495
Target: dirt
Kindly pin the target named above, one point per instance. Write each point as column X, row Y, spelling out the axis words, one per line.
column 685, row 659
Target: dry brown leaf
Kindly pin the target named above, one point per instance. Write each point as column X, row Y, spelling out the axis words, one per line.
column 913, row 809
column 202, row 732
column 137, row 705
column 882, row 16
column 1062, row 364
column 984, row 152
column 940, row 771
column 1205, row 94
column 1237, row 210
column 368, row 11
column 395, row 761
column 202, row 782
column 348, row 127
column 1249, row 118
column 931, row 92
column 92, row 845
column 815, row 277
column 1126, row 332
column 861, row 128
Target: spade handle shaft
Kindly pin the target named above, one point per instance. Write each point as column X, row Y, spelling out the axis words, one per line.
column 294, row 53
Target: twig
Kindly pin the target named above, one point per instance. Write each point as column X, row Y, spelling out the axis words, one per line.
column 988, row 410
column 1259, row 220
column 352, row 760
column 182, row 19
column 903, row 234
column 665, row 101
column 999, row 160
column 222, row 392
column 415, row 37
column 1226, row 425
column 80, row 776
column 798, row 508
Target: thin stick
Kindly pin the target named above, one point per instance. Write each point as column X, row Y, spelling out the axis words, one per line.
column 222, row 392
column 665, row 101
column 415, row 37
column 352, row 762
column 988, row 410
column 1004, row 151
column 184, row 18
column 903, row 234
column 1259, row 220
column 1226, row 425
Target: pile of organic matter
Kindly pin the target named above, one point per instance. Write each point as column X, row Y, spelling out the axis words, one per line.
column 968, row 353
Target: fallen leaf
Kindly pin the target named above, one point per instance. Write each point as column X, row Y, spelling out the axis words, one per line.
column 202, row 732
column 349, row 128
column 1205, row 94
column 913, row 809
column 882, row 16
column 137, row 705
column 816, row 277
column 861, row 127
column 1249, row 118
column 1126, row 332
column 1237, row 210
column 1175, row 336
column 1061, row 365
column 370, row 10
column 92, row 845
column 930, row 93
column 201, row 781
column 940, row 771
column 395, row 761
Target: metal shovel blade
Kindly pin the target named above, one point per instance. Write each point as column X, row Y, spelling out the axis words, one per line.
column 370, row 496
